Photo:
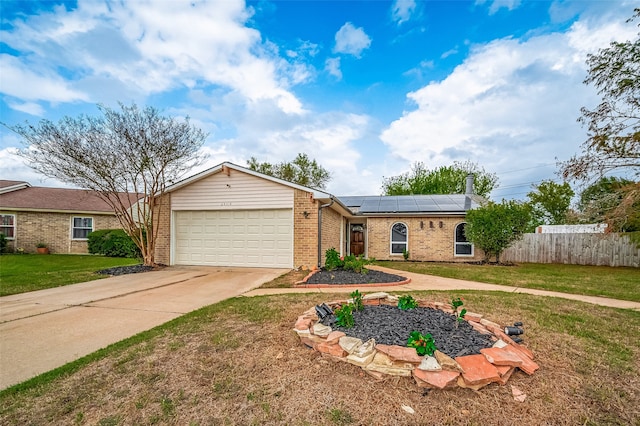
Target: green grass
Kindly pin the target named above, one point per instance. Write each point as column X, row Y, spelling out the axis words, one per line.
column 617, row 283
column 27, row 272
column 592, row 348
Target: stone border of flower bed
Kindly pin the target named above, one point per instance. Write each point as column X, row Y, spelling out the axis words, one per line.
column 493, row 365
column 303, row 283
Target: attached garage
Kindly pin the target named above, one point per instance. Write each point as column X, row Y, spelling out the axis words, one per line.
column 232, row 216
column 249, row 238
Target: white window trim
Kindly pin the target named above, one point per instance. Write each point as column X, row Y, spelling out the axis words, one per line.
column 14, row 225
column 455, row 242
column 391, row 242
column 73, row 218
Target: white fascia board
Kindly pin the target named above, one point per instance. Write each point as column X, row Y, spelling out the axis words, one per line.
column 21, row 185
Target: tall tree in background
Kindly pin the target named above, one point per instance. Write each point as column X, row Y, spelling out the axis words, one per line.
column 550, row 202
column 613, row 142
column 494, row 227
column 135, row 151
column 599, row 200
column 301, row 171
column 443, row 180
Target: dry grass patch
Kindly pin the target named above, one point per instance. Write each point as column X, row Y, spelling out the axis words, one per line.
column 239, row 363
column 286, row 280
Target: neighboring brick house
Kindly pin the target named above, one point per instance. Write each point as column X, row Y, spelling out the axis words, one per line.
column 58, row 217
column 232, row 216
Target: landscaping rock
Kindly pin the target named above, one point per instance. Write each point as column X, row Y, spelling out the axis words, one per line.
column 429, row 363
column 446, row 362
column 477, row 370
column 436, row 379
column 365, row 349
column 321, row 330
column 399, row 353
column 340, row 276
column 350, row 344
column 389, row 325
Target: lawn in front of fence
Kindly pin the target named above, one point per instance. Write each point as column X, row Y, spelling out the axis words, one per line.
column 618, row 283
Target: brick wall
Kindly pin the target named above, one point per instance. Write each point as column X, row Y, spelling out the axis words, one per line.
column 305, row 230
column 331, row 226
column 54, row 229
column 163, row 223
column 427, row 243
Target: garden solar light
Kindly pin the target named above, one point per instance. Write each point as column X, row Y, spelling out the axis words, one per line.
column 513, row 331
column 323, row 310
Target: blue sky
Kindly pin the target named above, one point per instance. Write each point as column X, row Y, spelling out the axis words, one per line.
column 365, row 87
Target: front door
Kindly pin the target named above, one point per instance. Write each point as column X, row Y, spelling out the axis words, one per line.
column 357, row 240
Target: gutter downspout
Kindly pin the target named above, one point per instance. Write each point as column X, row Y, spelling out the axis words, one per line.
column 322, row 206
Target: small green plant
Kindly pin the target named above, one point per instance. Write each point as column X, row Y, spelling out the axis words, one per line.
column 405, row 254
column 357, row 300
column 407, row 302
column 3, row 243
column 356, row 264
column 423, row 344
column 332, row 259
column 340, row 417
column 456, row 302
column 41, row 245
column 344, row 316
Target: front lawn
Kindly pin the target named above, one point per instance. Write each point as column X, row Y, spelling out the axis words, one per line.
column 29, row 272
column 617, row 283
column 238, row 363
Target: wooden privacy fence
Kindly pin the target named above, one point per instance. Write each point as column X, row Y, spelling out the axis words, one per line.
column 575, row 249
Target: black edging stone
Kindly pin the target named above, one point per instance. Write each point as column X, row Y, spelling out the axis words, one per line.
column 390, row 325
column 340, row 276
column 124, row 270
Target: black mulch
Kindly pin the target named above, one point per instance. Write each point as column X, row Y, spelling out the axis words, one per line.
column 340, row 276
column 124, row 270
column 390, row 325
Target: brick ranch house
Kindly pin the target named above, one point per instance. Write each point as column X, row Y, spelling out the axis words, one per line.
column 232, row 216
column 58, row 217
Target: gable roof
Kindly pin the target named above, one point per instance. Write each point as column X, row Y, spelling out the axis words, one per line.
column 12, row 185
column 367, row 205
column 222, row 167
column 57, row 199
column 377, row 205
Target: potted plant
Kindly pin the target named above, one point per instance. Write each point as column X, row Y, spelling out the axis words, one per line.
column 42, row 248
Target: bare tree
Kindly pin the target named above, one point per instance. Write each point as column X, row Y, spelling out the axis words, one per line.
column 131, row 150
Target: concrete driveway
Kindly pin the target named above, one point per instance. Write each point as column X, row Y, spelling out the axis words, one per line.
column 45, row 329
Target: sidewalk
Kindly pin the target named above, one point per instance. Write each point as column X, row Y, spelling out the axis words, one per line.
column 421, row 282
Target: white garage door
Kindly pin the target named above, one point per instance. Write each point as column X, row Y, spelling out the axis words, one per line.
column 255, row 238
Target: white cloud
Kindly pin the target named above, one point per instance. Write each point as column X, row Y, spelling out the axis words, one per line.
column 13, row 168
column 402, row 10
column 151, row 47
column 510, row 104
column 499, row 4
column 449, row 53
column 32, row 108
column 351, row 40
column 20, row 82
column 332, row 66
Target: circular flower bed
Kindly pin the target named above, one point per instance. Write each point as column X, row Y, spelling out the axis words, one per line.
column 484, row 355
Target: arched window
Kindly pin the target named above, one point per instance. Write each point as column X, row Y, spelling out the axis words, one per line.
column 399, row 238
column 462, row 246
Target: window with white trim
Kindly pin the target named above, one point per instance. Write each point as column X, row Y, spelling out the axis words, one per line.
column 399, row 239
column 81, row 227
column 462, row 246
column 8, row 225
